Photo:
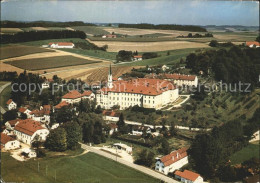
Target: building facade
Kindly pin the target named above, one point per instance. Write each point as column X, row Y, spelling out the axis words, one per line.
column 11, row 104
column 147, row 93
column 181, row 79
column 188, row 177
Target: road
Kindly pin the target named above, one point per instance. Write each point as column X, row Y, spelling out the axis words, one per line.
column 134, row 166
column 2, row 110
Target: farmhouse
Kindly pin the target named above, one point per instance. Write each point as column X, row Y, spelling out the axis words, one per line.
column 148, row 93
column 42, row 115
column 24, row 110
column 27, row 130
column 11, row 104
column 172, row 161
column 252, row 44
column 140, row 129
column 111, row 115
column 61, row 104
column 188, row 176
column 8, row 142
column 11, row 124
column 137, row 58
column 181, row 79
column 61, row 45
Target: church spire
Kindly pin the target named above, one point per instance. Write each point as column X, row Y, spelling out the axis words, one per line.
column 110, row 78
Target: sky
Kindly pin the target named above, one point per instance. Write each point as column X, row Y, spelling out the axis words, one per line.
column 188, row 12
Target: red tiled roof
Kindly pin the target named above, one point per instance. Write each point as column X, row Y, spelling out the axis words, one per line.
column 62, row 43
column 111, row 113
column 22, row 109
column 86, row 93
column 13, row 122
column 138, row 56
column 5, row 138
column 248, row 43
column 179, row 77
column 187, row 175
column 61, row 104
column 140, row 86
column 112, row 125
column 28, row 126
column 9, row 101
column 174, row 156
column 72, row 95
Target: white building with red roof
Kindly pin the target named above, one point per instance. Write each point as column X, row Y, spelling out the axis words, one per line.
column 88, row 95
column 42, row 115
column 181, row 79
column 172, row 161
column 188, row 177
column 11, row 124
column 24, row 110
column 148, row 93
column 10, row 104
column 137, row 58
column 72, row 97
column 8, row 142
column 252, row 44
column 29, row 130
column 61, row 45
column 61, row 104
column 111, row 115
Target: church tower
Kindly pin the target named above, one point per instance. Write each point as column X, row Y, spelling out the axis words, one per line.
column 110, row 78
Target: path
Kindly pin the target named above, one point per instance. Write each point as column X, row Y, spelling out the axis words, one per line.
column 143, row 169
column 2, row 110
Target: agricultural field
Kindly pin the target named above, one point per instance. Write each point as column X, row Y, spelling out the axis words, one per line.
column 11, row 51
column 50, row 62
column 85, row 168
column 248, row 152
column 115, row 46
column 10, row 30
column 91, row 30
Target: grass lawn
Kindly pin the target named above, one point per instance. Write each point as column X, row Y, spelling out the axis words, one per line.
column 50, row 62
column 5, row 95
column 87, row 168
column 91, row 30
column 248, row 152
column 3, row 83
column 19, row 50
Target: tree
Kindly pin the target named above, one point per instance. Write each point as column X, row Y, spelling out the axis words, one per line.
column 258, row 39
column 144, row 157
column 213, row 43
column 10, row 115
column 121, row 124
column 124, row 55
column 165, row 147
column 74, row 134
column 190, row 35
column 56, row 140
column 173, row 130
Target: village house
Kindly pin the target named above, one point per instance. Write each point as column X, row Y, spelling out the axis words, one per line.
column 188, row 177
column 140, row 129
column 165, row 67
column 9, row 143
column 61, row 104
column 29, row 130
column 24, row 110
column 181, row 79
column 173, row 161
column 42, row 115
column 88, row 95
column 137, row 58
column 11, row 124
column 252, row 44
column 148, row 93
column 72, row 97
column 45, row 84
column 61, row 45
column 113, row 128
column 111, row 115
column 10, row 104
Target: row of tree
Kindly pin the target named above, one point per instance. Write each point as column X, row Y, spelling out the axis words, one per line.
column 12, row 24
column 197, row 35
column 124, row 55
column 40, row 35
column 8, row 76
column 192, row 28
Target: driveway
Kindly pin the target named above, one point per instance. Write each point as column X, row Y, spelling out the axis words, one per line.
column 137, row 167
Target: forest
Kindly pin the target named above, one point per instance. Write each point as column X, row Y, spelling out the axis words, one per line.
column 192, row 28
column 12, row 24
